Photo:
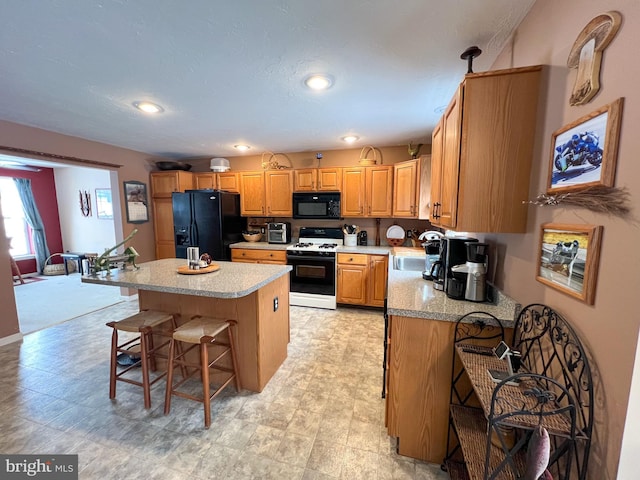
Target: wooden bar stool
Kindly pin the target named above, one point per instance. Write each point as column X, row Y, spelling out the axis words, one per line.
column 202, row 333
column 146, row 323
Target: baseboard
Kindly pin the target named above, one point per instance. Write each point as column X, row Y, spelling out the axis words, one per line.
column 16, row 337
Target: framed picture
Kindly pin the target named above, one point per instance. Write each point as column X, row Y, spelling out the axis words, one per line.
column 135, row 194
column 584, row 153
column 104, row 206
column 568, row 259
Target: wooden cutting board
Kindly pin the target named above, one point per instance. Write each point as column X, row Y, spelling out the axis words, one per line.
column 185, row 270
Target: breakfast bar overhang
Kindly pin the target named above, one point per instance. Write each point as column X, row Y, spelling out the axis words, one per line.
column 256, row 296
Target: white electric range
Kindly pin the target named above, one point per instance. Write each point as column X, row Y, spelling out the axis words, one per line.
column 313, row 258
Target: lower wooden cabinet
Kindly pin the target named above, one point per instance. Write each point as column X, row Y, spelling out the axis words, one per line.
column 419, row 386
column 362, row 279
column 249, row 255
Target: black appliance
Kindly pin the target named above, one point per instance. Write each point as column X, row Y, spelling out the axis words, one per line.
column 453, row 251
column 362, row 238
column 313, row 278
column 316, row 205
column 208, row 219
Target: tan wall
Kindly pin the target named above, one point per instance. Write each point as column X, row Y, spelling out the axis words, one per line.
column 330, row 158
column 609, row 328
column 134, row 166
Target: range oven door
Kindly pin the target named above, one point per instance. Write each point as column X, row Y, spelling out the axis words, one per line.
column 313, row 274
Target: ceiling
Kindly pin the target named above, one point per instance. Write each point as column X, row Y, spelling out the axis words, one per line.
column 231, row 72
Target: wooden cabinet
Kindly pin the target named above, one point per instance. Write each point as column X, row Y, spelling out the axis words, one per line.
column 377, row 288
column 317, row 179
column 419, row 381
column 482, row 150
column 352, row 279
column 362, row 279
column 366, row 191
column 248, row 255
column 406, row 188
column 163, row 184
column 205, row 181
column 227, row 181
column 252, row 194
column 267, row 193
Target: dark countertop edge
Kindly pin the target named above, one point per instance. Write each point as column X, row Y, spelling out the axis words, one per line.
column 181, row 291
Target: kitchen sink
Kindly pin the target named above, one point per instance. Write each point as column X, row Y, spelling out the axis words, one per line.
column 414, row 264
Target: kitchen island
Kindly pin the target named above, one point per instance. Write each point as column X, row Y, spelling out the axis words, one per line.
column 255, row 296
column 420, row 351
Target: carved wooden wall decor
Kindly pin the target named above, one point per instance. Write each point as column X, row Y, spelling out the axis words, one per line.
column 586, row 55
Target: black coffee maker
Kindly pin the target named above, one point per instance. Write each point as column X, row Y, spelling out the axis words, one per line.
column 453, row 251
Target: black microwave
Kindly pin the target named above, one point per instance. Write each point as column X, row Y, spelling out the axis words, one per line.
column 316, row 205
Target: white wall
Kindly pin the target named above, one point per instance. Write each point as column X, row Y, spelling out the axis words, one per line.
column 80, row 233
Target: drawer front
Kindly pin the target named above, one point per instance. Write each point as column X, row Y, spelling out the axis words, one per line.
column 275, row 256
column 352, row 258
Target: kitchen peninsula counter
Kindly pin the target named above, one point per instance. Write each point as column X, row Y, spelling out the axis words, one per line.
column 421, row 330
column 255, row 296
column 409, row 295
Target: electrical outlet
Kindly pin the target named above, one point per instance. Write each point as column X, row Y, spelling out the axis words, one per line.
column 275, row 304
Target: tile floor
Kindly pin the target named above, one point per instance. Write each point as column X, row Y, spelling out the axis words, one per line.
column 320, row 417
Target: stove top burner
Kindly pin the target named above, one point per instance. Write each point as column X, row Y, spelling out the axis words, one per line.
column 302, row 245
column 328, row 245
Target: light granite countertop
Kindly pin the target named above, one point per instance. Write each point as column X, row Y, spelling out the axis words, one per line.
column 364, row 249
column 409, row 295
column 233, row 280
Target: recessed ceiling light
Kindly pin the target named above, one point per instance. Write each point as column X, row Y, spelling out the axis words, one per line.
column 351, row 138
column 318, row 82
column 242, row 148
column 148, row 107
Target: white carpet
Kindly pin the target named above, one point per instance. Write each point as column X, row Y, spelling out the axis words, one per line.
column 59, row 298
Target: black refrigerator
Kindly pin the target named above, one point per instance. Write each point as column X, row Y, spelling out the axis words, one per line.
column 207, row 219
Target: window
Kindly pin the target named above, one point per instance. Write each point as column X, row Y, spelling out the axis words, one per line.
column 15, row 225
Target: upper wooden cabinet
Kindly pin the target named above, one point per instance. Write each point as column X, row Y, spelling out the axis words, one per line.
column 482, row 150
column 366, row 191
column 227, row 181
column 163, row 184
column 317, row 179
column 266, row 194
column 406, row 188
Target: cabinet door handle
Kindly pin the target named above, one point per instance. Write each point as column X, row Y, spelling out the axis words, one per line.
column 436, row 210
column 369, row 209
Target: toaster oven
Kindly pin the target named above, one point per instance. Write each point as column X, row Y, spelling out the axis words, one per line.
column 279, row 232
